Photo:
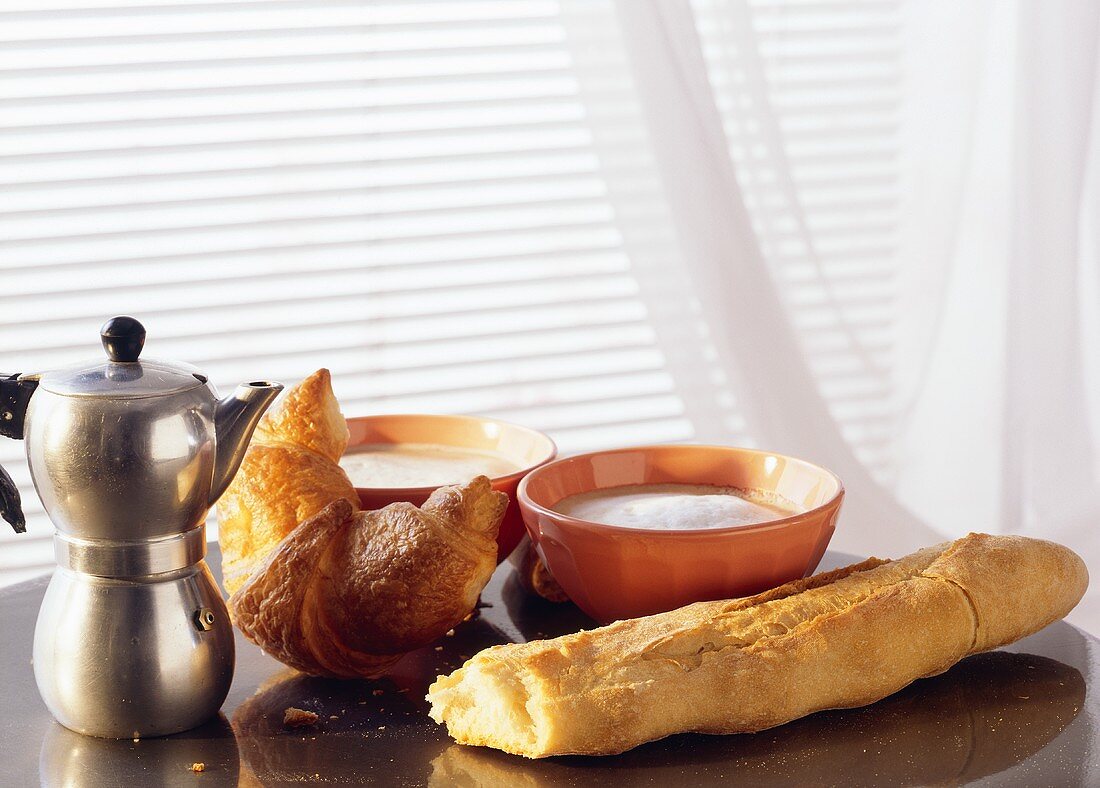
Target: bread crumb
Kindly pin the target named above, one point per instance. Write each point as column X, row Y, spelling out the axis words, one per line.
column 377, row 692
column 381, row 727
column 333, row 717
column 450, row 633
column 439, row 648
column 198, row 767
column 298, row 718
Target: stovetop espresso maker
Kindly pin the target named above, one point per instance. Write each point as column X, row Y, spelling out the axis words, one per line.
column 133, row 638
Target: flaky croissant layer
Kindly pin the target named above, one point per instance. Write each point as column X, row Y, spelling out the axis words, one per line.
column 290, row 472
column 347, row 594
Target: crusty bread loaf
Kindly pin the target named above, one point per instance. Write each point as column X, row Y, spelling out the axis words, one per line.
column 986, row 714
column 839, row 639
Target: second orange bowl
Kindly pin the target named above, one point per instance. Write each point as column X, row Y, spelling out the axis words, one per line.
column 525, row 447
column 612, row 572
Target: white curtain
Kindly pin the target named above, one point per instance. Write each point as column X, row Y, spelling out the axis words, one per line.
column 992, row 372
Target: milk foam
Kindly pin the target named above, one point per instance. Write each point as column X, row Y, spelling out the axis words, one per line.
column 676, row 507
column 421, row 465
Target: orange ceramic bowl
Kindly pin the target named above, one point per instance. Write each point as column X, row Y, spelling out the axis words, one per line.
column 525, row 447
column 613, row 572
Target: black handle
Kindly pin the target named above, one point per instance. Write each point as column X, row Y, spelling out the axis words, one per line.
column 11, row 508
column 15, row 395
column 123, row 337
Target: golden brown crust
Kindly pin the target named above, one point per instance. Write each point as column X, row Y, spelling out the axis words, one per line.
column 290, row 472
column 844, row 638
column 348, row 593
column 276, row 488
column 419, row 570
column 1037, row 576
column 308, row 416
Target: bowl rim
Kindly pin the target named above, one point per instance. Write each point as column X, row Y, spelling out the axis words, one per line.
column 550, row 455
column 525, row 500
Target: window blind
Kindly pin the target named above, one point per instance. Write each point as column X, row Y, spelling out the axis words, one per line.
column 408, row 193
column 451, row 205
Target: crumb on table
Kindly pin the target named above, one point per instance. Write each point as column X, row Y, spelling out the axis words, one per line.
column 298, row 718
column 198, row 767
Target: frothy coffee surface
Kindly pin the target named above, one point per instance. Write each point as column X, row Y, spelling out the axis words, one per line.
column 677, row 507
column 421, row 465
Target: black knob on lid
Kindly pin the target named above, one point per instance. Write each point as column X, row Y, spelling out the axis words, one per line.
column 123, row 338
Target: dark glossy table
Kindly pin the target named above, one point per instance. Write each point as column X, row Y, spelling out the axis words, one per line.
column 1025, row 716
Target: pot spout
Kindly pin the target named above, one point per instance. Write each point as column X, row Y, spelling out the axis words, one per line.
column 235, row 419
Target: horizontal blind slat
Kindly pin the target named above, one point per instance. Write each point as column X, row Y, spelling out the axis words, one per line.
column 303, row 18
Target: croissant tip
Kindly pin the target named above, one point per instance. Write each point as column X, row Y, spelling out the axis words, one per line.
column 480, row 483
column 341, row 507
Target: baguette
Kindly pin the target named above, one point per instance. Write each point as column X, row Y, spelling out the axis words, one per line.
column 985, row 715
column 836, row 640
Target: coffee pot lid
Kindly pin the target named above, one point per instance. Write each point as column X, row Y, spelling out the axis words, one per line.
column 122, row 376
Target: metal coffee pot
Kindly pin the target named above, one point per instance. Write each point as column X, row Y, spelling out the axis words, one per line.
column 133, row 638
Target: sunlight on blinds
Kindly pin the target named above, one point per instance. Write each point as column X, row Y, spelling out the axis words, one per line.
column 408, row 193
column 827, row 114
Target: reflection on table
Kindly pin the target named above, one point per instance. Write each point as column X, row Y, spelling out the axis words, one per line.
column 988, row 714
column 71, row 760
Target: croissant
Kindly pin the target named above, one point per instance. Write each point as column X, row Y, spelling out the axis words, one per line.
column 347, row 594
column 290, row 472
